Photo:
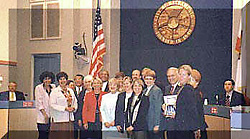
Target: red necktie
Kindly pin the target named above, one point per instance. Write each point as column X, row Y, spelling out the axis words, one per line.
column 172, row 90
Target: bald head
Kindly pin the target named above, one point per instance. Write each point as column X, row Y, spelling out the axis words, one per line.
column 172, row 75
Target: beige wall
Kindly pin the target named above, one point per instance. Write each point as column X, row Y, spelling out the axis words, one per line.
column 26, row 47
column 241, row 10
column 76, row 18
column 7, row 43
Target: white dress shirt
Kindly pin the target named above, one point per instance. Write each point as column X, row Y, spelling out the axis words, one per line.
column 42, row 102
column 128, row 95
column 58, row 103
column 148, row 89
column 230, row 95
column 136, row 108
column 104, row 84
column 78, row 89
column 107, row 109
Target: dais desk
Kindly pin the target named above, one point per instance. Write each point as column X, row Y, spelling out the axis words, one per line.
column 19, row 120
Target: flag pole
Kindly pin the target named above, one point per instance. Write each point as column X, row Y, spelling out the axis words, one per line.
column 98, row 3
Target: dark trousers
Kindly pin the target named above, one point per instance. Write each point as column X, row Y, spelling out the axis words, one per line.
column 154, row 135
column 77, row 130
column 184, row 134
column 43, row 130
column 94, row 130
column 171, row 134
column 137, row 135
column 203, row 134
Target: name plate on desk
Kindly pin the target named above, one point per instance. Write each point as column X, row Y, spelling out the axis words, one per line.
column 28, row 104
column 216, row 110
column 17, row 104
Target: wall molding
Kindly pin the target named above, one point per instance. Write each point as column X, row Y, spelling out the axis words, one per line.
column 9, row 63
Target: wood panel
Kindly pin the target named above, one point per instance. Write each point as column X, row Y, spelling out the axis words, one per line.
column 22, row 119
column 4, row 122
column 218, row 127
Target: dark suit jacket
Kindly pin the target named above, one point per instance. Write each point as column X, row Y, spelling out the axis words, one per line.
column 5, row 96
column 140, row 123
column 167, row 90
column 202, row 124
column 120, row 110
column 154, row 112
column 236, row 100
column 107, row 87
column 80, row 98
column 168, row 123
column 187, row 118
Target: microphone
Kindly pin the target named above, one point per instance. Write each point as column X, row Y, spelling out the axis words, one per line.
column 217, row 99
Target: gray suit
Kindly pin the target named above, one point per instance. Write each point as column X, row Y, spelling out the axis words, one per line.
column 155, row 102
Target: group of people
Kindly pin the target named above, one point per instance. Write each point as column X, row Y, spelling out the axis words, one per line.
column 133, row 107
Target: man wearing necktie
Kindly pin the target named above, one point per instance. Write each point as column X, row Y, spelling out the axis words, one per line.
column 167, row 123
column 79, row 93
column 12, row 94
column 230, row 97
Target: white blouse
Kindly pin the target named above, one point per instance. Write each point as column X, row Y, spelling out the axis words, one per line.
column 107, row 109
column 58, row 103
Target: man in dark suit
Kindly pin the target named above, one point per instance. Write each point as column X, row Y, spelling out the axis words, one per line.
column 167, row 123
column 230, row 97
column 79, row 93
column 104, row 76
column 12, row 94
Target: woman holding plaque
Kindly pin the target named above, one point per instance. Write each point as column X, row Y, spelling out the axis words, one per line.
column 63, row 103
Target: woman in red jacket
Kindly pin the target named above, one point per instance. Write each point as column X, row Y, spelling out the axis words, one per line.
column 91, row 114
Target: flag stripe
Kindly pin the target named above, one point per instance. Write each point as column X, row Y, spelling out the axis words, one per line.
column 99, row 48
column 238, row 41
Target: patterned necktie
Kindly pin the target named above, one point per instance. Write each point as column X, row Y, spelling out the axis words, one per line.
column 227, row 102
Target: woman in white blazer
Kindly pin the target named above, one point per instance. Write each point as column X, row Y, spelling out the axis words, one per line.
column 63, row 103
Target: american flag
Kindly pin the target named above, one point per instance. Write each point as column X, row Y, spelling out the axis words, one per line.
column 99, row 48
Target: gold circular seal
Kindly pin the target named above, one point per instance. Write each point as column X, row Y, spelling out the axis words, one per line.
column 174, row 22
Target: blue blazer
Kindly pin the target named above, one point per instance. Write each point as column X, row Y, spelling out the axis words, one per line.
column 4, row 96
